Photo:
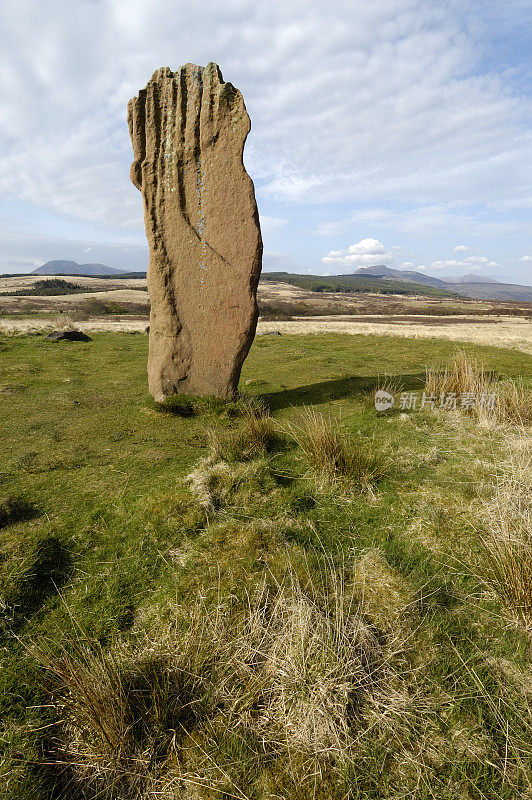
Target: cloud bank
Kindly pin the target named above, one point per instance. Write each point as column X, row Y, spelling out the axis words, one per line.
column 365, row 253
column 387, row 103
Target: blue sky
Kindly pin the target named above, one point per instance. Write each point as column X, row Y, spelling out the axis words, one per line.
column 396, row 131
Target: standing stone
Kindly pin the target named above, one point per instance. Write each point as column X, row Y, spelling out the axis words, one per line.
column 188, row 130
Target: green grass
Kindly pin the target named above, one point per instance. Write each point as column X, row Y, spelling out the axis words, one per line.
column 126, row 530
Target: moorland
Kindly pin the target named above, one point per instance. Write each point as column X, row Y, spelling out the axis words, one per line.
column 289, row 595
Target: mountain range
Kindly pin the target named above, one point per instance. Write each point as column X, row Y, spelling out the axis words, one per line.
column 474, row 286
column 366, row 278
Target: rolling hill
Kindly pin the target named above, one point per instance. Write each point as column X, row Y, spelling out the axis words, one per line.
column 359, row 283
column 73, row 268
column 377, row 279
column 408, row 276
column 385, row 280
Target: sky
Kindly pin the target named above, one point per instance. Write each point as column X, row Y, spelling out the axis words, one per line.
column 393, row 132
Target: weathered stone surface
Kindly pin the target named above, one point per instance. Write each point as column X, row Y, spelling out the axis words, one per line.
column 188, row 130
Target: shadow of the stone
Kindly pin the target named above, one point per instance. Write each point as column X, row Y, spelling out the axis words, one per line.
column 337, row 389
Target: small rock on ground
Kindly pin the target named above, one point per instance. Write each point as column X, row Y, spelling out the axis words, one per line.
column 71, row 336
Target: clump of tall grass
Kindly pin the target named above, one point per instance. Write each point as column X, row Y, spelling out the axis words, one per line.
column 214, row 481
column 319, row 659
column 255, row 436
column 289, row 670
column 238, row 458
column 389, row 383
column 477, row 391
column 121, row 713
column 464, row 375
column 507, row 545
column 514, row 401
column 333, row 453
column 64, row 322
column 14, row 508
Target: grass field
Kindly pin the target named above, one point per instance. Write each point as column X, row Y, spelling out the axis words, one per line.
column 193, row 604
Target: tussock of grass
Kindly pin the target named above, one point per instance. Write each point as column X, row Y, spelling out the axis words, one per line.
column 464, row 374
column 124, row 714
column 257, row 436
column 64, row 322
column 332, row 453
column 14, row 508
column 514, row 401
column 507, row 544
column 467, row 376
column 388, row 383
column 238, row 458
column 214, row 482
column 319, row 660
column 290, row 671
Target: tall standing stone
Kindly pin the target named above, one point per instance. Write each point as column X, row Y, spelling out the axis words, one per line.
column 188, row 130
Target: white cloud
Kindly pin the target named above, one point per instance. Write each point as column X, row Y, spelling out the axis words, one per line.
column 365, row 253
column 472, row 262
column 21, row 252
column 395, row 112
column 461, row 248
column 526, row 258
column 427, row 220
column 392, row 85
column 269, row 224
column 275, row 261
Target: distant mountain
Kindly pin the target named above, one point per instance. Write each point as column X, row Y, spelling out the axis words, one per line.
column 360, row 283
column 385, row 280
column 472, row 278
column 509, row 292
column 72, row 268
column 410, row 276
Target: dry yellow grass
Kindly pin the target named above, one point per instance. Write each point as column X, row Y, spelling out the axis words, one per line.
column 291, row 669
column 511, row 332
column 507, row 543
column 332, row 453
column 52, row 302
column 505, row 400
column 503, row 331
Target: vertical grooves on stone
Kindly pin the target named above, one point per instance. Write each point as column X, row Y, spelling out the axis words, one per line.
column 211, row 99
column 183, row 97
column 200, row 175
column 175, row 125
column 162, row 90
column 139, row 125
